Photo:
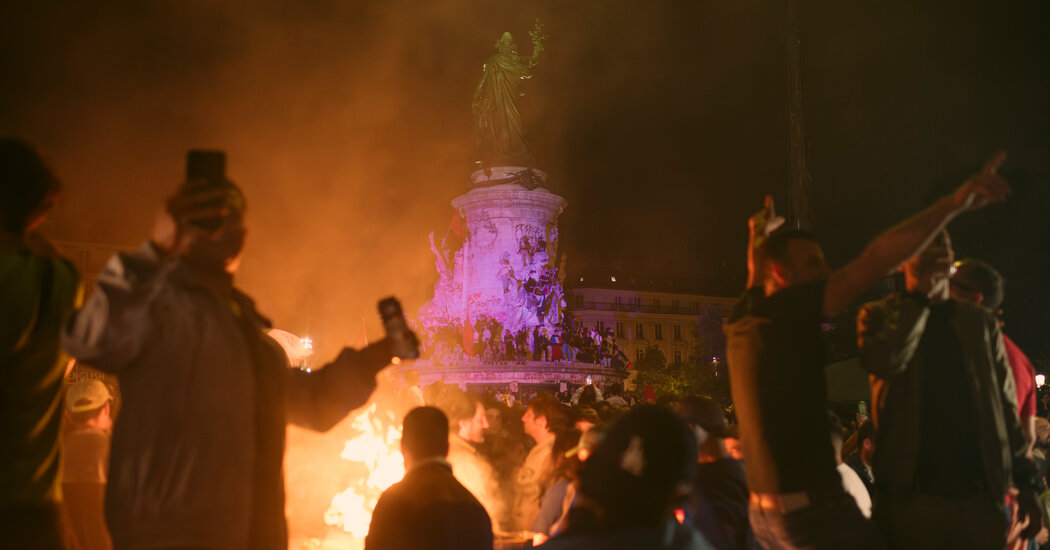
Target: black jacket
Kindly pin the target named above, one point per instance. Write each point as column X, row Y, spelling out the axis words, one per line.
column 429, row 510
column 889, row 332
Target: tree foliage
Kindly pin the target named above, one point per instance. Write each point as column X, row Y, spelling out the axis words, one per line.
column 702, row 373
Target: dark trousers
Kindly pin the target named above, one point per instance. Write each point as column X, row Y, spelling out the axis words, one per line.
column 834, row 524
column 932, row 522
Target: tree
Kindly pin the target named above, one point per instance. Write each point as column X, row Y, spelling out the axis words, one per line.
column 696, row 375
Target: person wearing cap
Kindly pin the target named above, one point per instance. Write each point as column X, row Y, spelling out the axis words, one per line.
column 949, row 441
column 630, row 486
column 976, row 281
column 197, row 452
column 776, row 363
column 86, row 462
column 38, row 290
column 719, row 507
column 428, row 509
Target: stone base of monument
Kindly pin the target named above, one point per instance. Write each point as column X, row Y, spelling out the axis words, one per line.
column 512, row 376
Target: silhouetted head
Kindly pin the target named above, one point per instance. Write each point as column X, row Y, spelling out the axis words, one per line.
column 424, row 434
column 221, row 250
column 644, row 465
column 28, row 189
column 793, row 257
column 976, row 281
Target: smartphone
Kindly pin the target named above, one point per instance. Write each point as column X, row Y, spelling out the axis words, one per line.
column 405, row 345
column 862, row 408
column 209, row 167
column 589, row 380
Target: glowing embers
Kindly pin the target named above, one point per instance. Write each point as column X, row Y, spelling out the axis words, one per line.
column 374, row 451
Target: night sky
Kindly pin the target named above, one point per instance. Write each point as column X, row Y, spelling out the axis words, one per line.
column 662, row 122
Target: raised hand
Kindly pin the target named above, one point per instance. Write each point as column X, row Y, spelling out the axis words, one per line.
column 984, row 187
column 180, row 222
column 760, row 225
column 764, row 222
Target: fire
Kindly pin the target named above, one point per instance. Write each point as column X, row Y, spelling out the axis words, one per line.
column 374, row 450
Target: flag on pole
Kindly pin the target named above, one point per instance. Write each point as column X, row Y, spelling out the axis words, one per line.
column 468, row 338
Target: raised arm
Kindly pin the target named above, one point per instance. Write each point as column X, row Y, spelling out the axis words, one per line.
column 108, row 332
column 318, row 400
column 904, row 240
column 537, row 35
column 759, row 226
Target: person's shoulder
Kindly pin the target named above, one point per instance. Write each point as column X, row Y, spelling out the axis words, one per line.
column 965, row 307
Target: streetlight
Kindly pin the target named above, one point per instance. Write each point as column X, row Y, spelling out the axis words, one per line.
column 1040, row 379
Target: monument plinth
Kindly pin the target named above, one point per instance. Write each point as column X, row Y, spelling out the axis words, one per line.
column 499, row 286
column 506, row 269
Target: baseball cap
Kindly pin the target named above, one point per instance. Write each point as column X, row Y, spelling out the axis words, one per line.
column 87, row 395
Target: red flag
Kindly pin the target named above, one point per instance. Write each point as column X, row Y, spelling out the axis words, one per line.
column 468, row 338
column 650, row 395
column 456, row 225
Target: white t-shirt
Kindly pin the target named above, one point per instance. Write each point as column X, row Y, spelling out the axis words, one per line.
column 853, row 485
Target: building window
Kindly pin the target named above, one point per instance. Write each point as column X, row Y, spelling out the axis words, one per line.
column 579, row 301
column 601, row 327
column 674, row 306
column 619, row 303
column 659, row 332
column 677, row 356
column 678, row 332
column 638, row 332
column 656, row 305
column 619, row 328
column 637, row 304
column 696, row 307
column 638, row 354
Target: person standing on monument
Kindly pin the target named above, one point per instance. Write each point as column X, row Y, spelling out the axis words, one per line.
column 776, row 361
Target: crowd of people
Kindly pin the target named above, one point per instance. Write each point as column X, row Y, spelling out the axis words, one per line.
column 953, row 456
column 488, row 341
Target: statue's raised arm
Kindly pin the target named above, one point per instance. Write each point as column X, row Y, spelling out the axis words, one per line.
column 498, row 129
column 538, row 37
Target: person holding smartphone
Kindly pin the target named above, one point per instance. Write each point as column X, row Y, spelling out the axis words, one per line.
column 197, row 452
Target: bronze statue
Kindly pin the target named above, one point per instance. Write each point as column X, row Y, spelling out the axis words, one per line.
column 497, row 123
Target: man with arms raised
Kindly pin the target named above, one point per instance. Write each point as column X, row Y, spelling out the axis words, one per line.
column 198, row 449
column 776, row 362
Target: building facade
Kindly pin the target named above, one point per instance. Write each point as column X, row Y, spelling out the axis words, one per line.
column 642, row 311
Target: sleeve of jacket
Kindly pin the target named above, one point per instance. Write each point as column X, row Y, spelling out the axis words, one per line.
column 108, row 332
column 318, row 400
column 888, row 334
column 1024, row 469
